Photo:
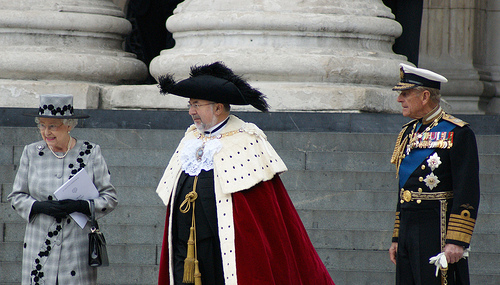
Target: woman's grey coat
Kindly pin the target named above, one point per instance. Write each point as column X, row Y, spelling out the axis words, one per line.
column 58, row 248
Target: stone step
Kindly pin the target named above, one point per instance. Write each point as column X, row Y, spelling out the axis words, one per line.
column 375, row 220
column 295, row 160
column 169, row 139
column 116, row 273
column 124, row 274
column 366, row 277
column 484, row 240
column 378, row 261
column 368, row 200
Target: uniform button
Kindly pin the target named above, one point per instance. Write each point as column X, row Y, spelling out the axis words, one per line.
column 423, row 167
column 420, row 190
column 421, row 179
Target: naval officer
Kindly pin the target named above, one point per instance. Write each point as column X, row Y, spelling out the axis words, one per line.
column 438, row 197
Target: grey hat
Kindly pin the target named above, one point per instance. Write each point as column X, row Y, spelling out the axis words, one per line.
column 59, row 106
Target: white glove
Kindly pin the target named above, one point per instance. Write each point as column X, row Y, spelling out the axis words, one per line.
column 439, row 261
column 466, row 253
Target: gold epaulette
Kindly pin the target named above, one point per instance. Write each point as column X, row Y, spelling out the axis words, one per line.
column 454, row 120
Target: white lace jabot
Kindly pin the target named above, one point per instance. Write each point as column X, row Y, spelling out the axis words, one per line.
column 190, row 163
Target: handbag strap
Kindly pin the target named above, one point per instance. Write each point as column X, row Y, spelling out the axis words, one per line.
column 93, row 223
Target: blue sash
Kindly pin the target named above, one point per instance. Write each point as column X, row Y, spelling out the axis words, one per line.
column 416, row 156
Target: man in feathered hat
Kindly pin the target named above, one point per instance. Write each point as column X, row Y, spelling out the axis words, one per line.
column 229, row 217
column 438, row 195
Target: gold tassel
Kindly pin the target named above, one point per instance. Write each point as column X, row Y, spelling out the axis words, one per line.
column 197, row 274
column 189, row 262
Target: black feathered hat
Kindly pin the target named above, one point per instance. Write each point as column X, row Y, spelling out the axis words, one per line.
column 217, row 83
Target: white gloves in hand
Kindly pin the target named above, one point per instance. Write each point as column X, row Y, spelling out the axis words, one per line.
column 440, row 260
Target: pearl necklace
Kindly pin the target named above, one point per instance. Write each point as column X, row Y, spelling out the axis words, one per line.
column 61, row 156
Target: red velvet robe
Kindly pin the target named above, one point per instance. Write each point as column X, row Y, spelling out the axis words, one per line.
column 272, row 245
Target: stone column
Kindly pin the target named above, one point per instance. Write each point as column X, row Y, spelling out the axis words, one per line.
column 447, row 47
column 63, row 46
column 305, row 55
column 487, row 54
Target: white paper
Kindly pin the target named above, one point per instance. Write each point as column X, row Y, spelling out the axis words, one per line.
column 79, row 187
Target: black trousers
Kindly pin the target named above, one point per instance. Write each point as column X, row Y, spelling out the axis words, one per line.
column 419, row 240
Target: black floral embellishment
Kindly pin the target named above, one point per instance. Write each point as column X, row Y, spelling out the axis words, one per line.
column 58, row 227
column 50, row 107
column 47, row 242
column 80, row 162
column 50, row 197
column 41, row 153
column 73, row 273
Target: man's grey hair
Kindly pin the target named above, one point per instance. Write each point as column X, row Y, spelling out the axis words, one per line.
column 435, row 93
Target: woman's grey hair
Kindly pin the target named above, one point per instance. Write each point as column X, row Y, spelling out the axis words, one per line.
column 435, row 94
column 68, row 122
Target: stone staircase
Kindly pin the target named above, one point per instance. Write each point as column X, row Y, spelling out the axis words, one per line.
column 342, row 185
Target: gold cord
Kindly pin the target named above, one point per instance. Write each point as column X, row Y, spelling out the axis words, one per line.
column 191, row 268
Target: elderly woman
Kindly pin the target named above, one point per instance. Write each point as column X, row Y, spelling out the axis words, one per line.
column 55, row 246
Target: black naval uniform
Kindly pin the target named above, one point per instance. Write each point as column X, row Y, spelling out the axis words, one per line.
column 422, row 190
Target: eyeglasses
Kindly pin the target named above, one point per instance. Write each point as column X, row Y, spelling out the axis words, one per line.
column 51, row 128
column 196, row 106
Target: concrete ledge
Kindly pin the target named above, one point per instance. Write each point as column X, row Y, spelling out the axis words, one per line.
column 273, row 121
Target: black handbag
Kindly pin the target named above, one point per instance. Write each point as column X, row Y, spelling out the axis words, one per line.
column 98, row 255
